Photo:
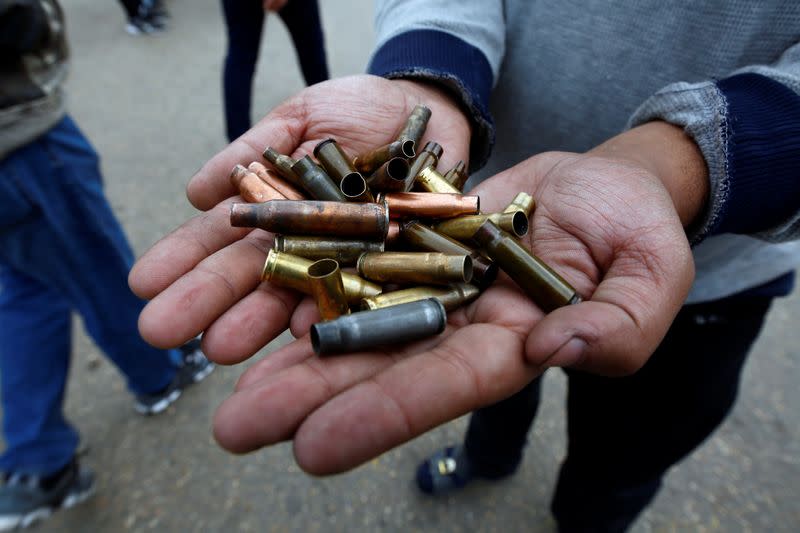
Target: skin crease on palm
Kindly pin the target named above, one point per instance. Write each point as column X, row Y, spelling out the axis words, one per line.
column 605, row 222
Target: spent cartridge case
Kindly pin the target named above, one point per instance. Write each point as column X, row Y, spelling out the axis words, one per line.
column 327, row 288
column 522, row 202
column 291, row 272
column 282, row 164
column 372, row 160
column 369, row 329
column 484, row 271
column 393, row 235
column 415, row 267
column 415, row 125
column 429, row 157
column 354, row 188
column 250, row 186
column 334, row 159
column 462, row 228
column 316, row 181
column 314, row 217
column 430, row 205
column 541, row 283
column 451, row 297
column 391, row 176
column 430, row 180
column 457, row 176
column 275, row 181
column 344, row 251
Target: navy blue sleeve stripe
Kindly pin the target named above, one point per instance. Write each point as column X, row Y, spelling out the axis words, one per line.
column 443, row 58
column 763, row 154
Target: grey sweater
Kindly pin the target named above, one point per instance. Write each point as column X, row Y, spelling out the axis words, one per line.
column 569, row 75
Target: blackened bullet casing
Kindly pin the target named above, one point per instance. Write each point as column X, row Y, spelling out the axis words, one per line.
column 415, row 267
column 316, row 181
column 369, row 329
column 429, row 157
column 344, row 251
column 367, row 163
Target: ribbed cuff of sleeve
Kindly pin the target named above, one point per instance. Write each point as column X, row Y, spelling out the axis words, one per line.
column 763, row 132
column 748, row 129
column 445, row 59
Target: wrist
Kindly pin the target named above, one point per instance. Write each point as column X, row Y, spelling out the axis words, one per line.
column 669, row 153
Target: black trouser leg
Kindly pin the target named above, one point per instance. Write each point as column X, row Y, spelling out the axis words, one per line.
column 305, row 27
column 625, row 433
column 497, row 434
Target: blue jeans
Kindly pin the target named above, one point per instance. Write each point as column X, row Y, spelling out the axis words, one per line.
column 61, row 249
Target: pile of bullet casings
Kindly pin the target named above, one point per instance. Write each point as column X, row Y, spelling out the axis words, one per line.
column 444, row 251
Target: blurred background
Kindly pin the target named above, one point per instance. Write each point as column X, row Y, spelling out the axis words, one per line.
column 152, row 106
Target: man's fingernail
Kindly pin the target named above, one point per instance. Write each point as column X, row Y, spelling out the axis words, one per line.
column 571, row 353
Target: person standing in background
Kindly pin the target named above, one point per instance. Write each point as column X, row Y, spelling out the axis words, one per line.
column 145, row 16
column 61, row 249
column 244, row 20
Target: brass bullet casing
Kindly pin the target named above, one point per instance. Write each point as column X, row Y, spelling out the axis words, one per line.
column 354, row 188
column 451, row 297
column 415, row 267
column 415, row 125
column 457, row 176
column 430, row 205
column 337, row 163
column 282, row 164
column 327, row 288
column 316, row 181
column 344, row 251
column 290, row 271
column 314, row 217
column 391, row 176
column 484, row 271
column 251, row 188
column 369, row 162
column 542, row 284
column 522, row 202
column 462, row 228
column 430, row 180
column 429, row 157
column 275, row 181
column 381, row 327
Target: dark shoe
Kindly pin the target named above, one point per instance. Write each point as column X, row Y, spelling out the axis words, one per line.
column 27, row 499
column 445, row 471
column 194, row 369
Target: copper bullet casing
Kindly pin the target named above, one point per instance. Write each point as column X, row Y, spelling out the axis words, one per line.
column 327, row 287
column 522, row 202
column 429, row 157
column 542, row 284
column 291, row 272
column 316, row 181
column 462, row 228
column 430, row 180
column 276, row 182
column 368, row 329
column 369, row 162
column 415, row 125
column 391, row 176
column 251, row 188
column 452, row 297
column 282, row 164
column 457, row 176
column 314, row 217
column 415, row 267
column 430, row 205
column 344, row 251
column 484, row 271
column 393, row 235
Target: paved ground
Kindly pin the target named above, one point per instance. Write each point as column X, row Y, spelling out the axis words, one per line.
column 152, row 107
